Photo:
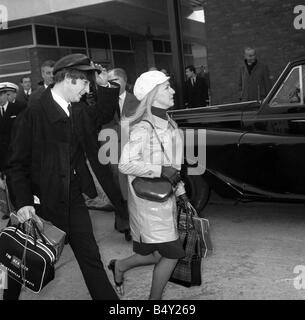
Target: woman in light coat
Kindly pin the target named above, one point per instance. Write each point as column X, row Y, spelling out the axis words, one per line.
column 153, row 224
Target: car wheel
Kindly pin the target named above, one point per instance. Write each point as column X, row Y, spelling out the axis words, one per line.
column 198, row 191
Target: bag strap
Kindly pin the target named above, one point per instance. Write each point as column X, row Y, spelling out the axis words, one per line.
column 159, row 140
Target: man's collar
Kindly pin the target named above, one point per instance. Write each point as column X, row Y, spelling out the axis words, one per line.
column 53, row 110
column 5, row 106
column 123, row 95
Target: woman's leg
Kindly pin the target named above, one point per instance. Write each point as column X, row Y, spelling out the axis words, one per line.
column 136, row 260
column 162, row 272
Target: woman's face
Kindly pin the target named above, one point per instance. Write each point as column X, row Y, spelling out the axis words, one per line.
column 165, row 96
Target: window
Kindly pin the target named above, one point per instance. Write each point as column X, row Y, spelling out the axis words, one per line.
column 71, row 38
column 98, row 40
column 158, row 45
column 291, row 90
column 120, row 43
column 45, row 35
column 16, row 37
column 167, row 47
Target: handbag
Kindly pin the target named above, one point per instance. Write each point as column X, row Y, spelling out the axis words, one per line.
column 153, row 189
column 187, row 271
column 26, row 256
column 53, row 235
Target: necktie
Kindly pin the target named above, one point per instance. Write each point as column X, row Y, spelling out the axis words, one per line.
column 2, row 111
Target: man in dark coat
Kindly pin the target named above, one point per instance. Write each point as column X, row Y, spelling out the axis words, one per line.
column 8, row 114
column 196, row 89
column 254, row 80
column 47, row 76
column 128, row 104
column 25, row 91
column 50, row 144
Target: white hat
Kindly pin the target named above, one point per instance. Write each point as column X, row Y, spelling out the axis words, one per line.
column 147, row 82
column 8, row 86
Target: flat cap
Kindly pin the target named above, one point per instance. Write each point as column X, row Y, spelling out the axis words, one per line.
column 8, row 86
column 76, row 61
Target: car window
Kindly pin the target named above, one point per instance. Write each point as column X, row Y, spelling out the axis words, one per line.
column 291, row 90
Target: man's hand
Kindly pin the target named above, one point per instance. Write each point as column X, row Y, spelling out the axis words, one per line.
column 26, row 213
column 102, row 78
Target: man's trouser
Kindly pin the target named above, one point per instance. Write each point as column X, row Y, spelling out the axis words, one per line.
column 82, row 241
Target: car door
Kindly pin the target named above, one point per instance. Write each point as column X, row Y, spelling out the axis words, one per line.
column 273, row 146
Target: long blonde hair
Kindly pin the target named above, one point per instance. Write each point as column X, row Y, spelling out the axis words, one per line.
column 143, row 110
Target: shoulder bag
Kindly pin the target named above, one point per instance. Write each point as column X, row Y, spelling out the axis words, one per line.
column 153, row 189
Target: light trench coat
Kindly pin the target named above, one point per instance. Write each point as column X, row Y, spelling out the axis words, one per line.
column 152, row 222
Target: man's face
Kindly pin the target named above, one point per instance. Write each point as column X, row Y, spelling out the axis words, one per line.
column 250, row 56
column 189, row 74
column 3, row 98
column 76, row 88
column 11, row 96
column 117, row 79
column 26, row 83
column 47, row 75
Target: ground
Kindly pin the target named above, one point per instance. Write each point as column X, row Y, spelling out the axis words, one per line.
column 256, row 248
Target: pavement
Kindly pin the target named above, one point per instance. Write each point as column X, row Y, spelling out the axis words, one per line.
column 256, row 248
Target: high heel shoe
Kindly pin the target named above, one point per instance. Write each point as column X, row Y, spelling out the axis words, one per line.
column 119, row 285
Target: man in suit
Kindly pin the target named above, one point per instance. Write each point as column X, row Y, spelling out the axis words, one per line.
column 254, row 80
column 47, row 76
column 50, row 144
column 196, row 89
column 8, row 113
column 127, row 106
column 25, row 91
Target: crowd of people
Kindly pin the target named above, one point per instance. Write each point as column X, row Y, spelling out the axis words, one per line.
column 53, row 138
column 49, row 149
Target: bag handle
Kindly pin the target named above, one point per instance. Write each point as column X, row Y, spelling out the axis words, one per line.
column 159, row 140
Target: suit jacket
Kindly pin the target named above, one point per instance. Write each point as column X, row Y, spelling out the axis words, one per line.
column 39, row 163
column 36, row 94
column 6, row 124
column 196, row 95
column 256, row 85
column 130, row 105
column 22, row 97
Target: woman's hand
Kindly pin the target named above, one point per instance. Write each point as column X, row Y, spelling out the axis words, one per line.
column 171, row 174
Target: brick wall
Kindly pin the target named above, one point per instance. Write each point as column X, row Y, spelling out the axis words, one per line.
column 266, row 25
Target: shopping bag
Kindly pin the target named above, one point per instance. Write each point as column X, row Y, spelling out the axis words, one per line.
column 4, row 210
column 26, row 256
column 188, row 269
column 202, row 226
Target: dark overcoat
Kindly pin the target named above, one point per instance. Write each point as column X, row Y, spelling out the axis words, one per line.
column 39, row 162
column 254, row 86
column 6, row 124
column 197, row 94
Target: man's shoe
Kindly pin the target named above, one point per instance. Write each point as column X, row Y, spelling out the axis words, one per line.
column 5, row 217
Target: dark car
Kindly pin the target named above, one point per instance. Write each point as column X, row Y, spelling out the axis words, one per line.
column 254, row 150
